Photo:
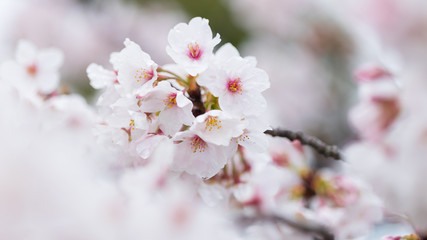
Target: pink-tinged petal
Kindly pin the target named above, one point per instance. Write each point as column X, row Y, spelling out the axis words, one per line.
column 169, row 122
column 172, row 118
column 177, row 37
column 191, row 45
column 158, row 98
column 186, row 115
column 108, row 97
column 253, row 137
column 115, row 60
column 252, row 104
column 215, row 80
column 226, row 52
column 217, row 127
column 197, row 157
column 135, row 67
column 14, row 74
column 256, row 79
column 256, row 141
column 200, row 27
column 50, row 59
column 182, row 100
column 100, row 77
column 153, row 101
column 26, row 52
column 48, row 82
column 146, row 145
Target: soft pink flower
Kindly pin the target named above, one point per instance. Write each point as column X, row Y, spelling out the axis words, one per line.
column 191, row 45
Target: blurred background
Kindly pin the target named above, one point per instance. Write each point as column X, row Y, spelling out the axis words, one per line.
column 309, row 48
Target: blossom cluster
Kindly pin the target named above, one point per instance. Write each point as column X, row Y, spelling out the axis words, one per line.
column 175, row 151
column 206, row 103
column 209, row 107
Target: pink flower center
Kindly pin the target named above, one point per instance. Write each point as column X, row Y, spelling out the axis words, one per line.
column 144, row 75
column 32, row 69
column 194, row 51
column 170, row 101
column 212, row 122
column 197, row 144
column 234, row 85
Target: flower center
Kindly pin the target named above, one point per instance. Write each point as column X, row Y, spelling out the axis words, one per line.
column 170, row 101
column 194, row 51
column 197, row 144
column 235, row 85
column 32, row 69
column 143, row 75
column 212, row 122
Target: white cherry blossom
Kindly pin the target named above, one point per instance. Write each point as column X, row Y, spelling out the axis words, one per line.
column 237, row 83
column 34, row 69
column 191, row 45
column 197, row 156
column 175, row 108
column 217, row 127
column 253, row 136
column 135, row 67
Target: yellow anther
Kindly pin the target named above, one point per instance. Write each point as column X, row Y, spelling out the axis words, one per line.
column 194, row 50
column 197, row 144
column 143, row 74
column 170, row 101
column 132, row 124
column 212, row 122
column 235, row 85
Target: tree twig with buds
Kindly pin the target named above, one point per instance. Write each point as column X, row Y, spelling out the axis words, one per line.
column 321, row 147
column 311, row 228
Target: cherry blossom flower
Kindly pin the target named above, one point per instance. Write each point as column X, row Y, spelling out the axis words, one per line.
column 191, row 45
column 175, row 108
column 197, row 156
column 34, row 69
column 379, row 104
column 347, row 205
column 135, row 67
column 217, row 127
column 237, row 83
column 253, row 137
column 376, row 81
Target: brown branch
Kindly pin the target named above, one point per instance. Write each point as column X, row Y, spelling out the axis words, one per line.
column 195, row 96
column 321, row 147
column 311, row 228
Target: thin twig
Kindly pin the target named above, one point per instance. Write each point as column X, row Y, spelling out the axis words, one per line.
column 302, row 226
column 321, row 147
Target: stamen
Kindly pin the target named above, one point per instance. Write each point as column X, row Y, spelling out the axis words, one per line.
column 32, row 69
column 235, row 85
column 197, row 144
column 194, row 51
column 143, row 75
column 132, row 124
column 170, row 101
column 212, row 122
column 242, row 138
